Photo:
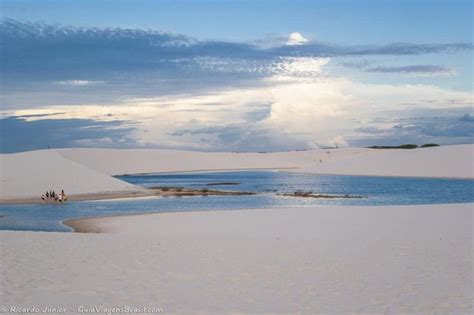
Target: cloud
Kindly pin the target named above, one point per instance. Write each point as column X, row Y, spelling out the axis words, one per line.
column 300, row 66
column 153, row 89
column 296, row 39
column 105, row 64
column 357, row 64
column 412, row 70
column 430, row 70
column 42, row 52
column 298, row 109
column 79, row 82
column 308, row 112
column 431, row 128
column 244, row 137
column 317, row 49
column 18, row 134
column 467, row 118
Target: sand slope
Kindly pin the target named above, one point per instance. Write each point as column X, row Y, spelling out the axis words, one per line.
column 30, row 174
column 86, row 171
column 330, row 260
column 447, row 161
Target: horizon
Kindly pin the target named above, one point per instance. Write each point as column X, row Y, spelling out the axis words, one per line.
column 275, row 76
column 374, row 147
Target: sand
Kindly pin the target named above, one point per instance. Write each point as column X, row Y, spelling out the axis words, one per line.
column 318, row 260
column 315, row 260
column 89, row 171
column 134, row 194
column 446, row 161
column 116, row 194
column 31, row 174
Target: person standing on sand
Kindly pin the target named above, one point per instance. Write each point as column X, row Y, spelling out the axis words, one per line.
column 47, row 195
column 42, row 198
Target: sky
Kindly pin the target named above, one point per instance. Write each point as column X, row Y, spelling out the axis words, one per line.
column 234, row 75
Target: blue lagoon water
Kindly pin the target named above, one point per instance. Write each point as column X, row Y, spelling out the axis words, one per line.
column 268, row 185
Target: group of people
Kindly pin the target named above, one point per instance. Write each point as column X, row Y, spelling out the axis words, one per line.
column 53, row 196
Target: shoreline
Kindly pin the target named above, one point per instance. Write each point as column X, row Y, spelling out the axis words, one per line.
column 132, row 194
column 297, row 170
column 82, row 197
column 241, row 261
column 92, row 224
column 144, row 192
column 81, row 225
column 89, row 172
column 332, row 259
column 210, row 170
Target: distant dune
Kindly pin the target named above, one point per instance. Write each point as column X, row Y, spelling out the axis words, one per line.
column 89, row 171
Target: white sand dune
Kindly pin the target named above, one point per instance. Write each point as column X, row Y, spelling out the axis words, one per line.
column 88, row 171
column 446, row 161
column 30, row 174
column 401, row 259
column 318, row 260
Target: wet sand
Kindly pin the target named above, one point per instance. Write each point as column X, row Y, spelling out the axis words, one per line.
column 83, row 197
column 154, row 191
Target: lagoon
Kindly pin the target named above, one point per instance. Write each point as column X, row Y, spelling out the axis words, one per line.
column 269, row 186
